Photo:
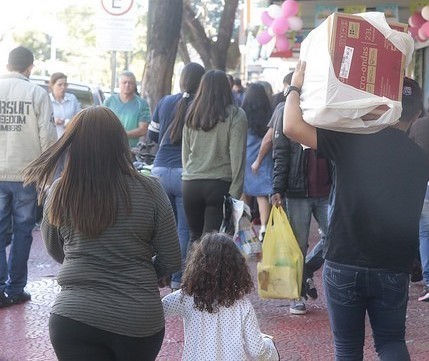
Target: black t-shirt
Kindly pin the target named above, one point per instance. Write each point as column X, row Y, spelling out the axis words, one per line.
column 381, row 182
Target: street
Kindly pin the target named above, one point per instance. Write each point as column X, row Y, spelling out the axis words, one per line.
column 25, row 336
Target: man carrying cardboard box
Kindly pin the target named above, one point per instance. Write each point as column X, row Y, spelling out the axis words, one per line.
column 372, row 239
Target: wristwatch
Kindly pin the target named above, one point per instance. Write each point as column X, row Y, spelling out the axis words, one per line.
column 291, row 88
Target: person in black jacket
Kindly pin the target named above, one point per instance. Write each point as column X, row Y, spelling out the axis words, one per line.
column 304, row 180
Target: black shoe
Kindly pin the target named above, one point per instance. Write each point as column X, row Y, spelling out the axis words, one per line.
column 416, row 273
column 3, row 299
column 6, row 301
column 311, row 288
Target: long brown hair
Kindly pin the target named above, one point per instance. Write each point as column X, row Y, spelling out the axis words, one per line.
column 216, row 273
column 97, row 161
column 211, row 101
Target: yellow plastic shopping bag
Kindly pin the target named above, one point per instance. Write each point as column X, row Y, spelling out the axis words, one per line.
column 280, row 271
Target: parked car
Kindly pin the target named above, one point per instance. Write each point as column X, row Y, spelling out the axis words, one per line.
column 85, row 94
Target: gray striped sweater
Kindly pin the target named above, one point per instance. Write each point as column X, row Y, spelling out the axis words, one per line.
column 110, row 282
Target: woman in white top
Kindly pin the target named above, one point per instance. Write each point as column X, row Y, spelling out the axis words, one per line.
column 65, row 105
column 219, row 320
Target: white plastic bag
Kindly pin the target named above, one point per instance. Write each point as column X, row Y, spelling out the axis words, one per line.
column 328, row 103
column 237, row 222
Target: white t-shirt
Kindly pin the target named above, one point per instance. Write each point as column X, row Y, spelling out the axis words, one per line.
column 232, row 333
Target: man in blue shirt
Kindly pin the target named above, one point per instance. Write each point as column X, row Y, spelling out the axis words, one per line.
column 132, row 111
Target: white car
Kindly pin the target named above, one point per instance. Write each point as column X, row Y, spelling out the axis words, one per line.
column 86, row 95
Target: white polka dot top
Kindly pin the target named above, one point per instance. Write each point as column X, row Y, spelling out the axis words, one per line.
column 232, row 334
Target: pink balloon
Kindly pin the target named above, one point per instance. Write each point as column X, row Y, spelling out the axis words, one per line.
column 282, row 43
column 425, row 29
column 280, row 26
column 290, row 8
column 413, row 31
column 421, row 35
column 263, row 37
column 295, row 23
column 266, row 19
column 416, row 19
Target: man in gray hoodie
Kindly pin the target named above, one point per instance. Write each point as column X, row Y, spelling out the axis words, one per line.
column 26, row 130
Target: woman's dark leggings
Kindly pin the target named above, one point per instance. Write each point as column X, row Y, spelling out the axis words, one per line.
column 76, row 341
column 203, row 203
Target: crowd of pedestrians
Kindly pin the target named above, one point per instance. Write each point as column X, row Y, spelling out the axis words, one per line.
column 120, row 235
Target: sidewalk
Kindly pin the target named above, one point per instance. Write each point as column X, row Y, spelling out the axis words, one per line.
column 24, row 332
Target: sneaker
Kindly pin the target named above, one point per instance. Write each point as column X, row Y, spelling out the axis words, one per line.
column 6, row 301
column 297, row 307
column 310, row 288
column 425, row 294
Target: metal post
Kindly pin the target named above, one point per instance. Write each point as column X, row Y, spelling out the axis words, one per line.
column 113, row 65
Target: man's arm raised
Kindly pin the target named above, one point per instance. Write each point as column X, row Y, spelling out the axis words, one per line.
column 294, row 125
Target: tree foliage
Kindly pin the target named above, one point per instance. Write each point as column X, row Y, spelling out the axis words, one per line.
column 38, row 41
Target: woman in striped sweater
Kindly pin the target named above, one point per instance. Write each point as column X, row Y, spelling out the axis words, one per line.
column 114, row 232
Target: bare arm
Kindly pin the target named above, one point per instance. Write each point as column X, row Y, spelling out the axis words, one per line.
column 294, row 125
column 138, row 132
column 266, row 145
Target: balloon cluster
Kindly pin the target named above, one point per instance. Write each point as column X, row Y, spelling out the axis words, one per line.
column 419, row 24
column 278, row 21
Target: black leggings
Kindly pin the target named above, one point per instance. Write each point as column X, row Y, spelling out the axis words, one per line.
column 76, row 341
column 203, row 203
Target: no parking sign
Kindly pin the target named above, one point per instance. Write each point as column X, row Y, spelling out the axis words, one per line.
column 116, row 21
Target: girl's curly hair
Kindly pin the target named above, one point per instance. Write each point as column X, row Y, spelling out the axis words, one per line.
column 216, row 273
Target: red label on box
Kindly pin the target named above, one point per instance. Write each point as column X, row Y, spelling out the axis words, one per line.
column 363, row 58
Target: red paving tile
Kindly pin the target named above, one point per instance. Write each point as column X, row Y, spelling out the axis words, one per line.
column 25, row 337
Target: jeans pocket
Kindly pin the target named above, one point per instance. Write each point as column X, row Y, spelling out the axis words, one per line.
column 394, row 288
column 340, row 285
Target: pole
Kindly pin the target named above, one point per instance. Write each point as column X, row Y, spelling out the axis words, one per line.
column 113, row 69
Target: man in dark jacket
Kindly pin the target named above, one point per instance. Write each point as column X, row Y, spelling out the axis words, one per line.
column 305, row 180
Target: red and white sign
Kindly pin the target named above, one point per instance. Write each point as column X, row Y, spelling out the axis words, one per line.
column 116, row 21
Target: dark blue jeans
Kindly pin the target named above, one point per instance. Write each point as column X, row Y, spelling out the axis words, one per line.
column 353, row 291
column 19, row 204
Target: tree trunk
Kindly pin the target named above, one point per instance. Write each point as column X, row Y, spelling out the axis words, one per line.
column 183, row 50
column 164, row 23
column 213, row 54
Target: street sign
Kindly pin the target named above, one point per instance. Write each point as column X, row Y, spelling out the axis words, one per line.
column 116, row 21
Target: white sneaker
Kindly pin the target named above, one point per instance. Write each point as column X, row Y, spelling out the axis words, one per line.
column 425, row 294
column 297, row 307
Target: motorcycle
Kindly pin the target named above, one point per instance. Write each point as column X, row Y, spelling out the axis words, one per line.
column 144, row 154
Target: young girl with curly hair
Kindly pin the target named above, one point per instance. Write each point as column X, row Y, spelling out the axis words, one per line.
column 219, row 320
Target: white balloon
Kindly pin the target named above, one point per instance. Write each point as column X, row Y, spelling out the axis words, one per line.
column 425, row 12
column 275, row 11
column 295, row 23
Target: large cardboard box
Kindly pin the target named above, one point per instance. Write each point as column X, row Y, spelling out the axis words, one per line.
column 354, row 72
column 363, row 58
